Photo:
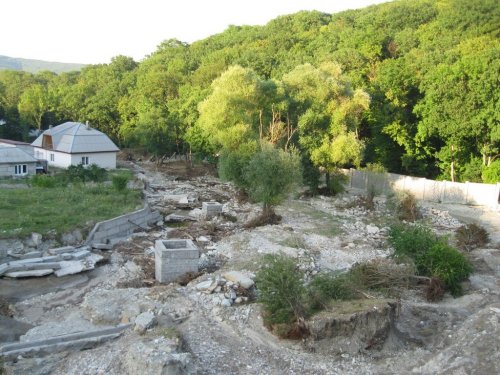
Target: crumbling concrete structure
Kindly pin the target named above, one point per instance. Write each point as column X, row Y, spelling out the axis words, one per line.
column 174, row 258
column 210, row 209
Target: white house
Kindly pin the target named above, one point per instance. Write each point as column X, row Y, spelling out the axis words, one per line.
column 16, row 162
column 74, row 143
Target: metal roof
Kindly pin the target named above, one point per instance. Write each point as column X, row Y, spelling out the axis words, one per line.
column 13, row 155
column 75, row 137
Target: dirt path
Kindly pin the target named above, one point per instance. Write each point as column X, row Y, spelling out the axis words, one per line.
column 489, row 219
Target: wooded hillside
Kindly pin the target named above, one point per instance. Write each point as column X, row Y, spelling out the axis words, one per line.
column 410, row 85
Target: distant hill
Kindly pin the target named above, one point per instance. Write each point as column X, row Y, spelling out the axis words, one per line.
column 34, row 66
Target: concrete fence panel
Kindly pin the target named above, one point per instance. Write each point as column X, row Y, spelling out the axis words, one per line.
column 433, row 191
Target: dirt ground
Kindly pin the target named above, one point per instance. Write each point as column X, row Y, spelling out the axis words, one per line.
column 195, row 333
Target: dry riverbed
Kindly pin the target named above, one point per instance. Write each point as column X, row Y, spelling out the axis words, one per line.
column 202, row 328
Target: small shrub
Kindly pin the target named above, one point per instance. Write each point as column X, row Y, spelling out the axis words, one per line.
column 281, row 291
column 367, row 201
column 375, row 168
column 449, row 265
column 412, row 242
column 231, row 167
column 43, row 181
column 491, row 174
column 96, row 174
column 432, row 255
column 326, row 287
column 471, row 236
column 336, row 183
column 406, row 206
column 119, row 182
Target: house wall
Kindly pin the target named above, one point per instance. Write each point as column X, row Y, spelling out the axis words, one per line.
column 62, row 160
column 102, row 159
column 8, row 169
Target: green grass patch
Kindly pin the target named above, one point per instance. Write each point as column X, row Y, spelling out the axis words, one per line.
column 38, row 209
column 432, row 255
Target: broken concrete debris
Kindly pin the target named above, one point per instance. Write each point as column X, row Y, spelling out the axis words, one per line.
column 232, row 288
column 174, row 258
column 80, row 340
column 144, row 321
column 210, row 209
column 62, row 261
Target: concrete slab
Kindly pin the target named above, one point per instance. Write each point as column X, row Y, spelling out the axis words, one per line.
column 32, row 273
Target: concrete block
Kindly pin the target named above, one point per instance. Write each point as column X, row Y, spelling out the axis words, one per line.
column 175, row 257
column 32, row 273
column 211, row 209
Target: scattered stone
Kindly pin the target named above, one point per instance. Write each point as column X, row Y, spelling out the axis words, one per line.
column 239, row 278
column 174, row 218
column 372, row 229
column 144, row 321
column 102, row 246
column 226, row 302
column 36, row 238
column 158, row 357
column 206, row 286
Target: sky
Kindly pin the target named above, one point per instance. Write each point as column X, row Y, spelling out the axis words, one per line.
column 94, row 31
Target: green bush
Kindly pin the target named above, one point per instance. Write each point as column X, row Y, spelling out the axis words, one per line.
column 310, row 174
column 336, row 183
column 231, row 167
column 449, row 265
column 491, row 174
column 432, row 255
column 43, row 181
column 281, row 290
column 79, row 173
column 326, row 287
column 271, row 175
column 119, row 182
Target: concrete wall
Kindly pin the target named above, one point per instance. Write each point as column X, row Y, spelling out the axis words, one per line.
column 123, row 226
column 102, row 159
column 429, row 190
column 63, row 160
column 8, row 169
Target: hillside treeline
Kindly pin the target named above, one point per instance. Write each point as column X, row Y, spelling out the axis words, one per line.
column 411, row 86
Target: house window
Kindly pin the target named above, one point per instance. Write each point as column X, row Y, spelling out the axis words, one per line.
column 20, row 169
column 51, row 157
column 85, row 160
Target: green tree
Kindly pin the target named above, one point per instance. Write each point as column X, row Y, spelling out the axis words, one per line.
column 34, row 103
column 271, row 174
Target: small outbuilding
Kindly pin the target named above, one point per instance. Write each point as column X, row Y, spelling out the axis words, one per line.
column 16, row 162
column 73, row 143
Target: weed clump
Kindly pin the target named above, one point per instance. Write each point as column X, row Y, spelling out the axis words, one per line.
column 406, row 206
column 432, row 255
column 281, row 292
column 471, row 236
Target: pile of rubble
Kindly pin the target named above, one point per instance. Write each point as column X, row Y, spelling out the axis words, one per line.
column 60, row 261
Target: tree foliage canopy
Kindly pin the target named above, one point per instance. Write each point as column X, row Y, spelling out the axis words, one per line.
column 410, row 84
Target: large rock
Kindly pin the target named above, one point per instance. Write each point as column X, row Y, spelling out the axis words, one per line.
column 239, row 278
column 103, row 306
column 352, row 326
column 157, row 357
column 144, row 321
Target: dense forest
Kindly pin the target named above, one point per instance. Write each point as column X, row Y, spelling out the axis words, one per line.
column 411, row 86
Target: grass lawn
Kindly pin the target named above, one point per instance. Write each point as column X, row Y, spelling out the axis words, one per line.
column 38, row 209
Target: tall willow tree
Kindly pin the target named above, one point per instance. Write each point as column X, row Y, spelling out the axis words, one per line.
column 329, row 114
